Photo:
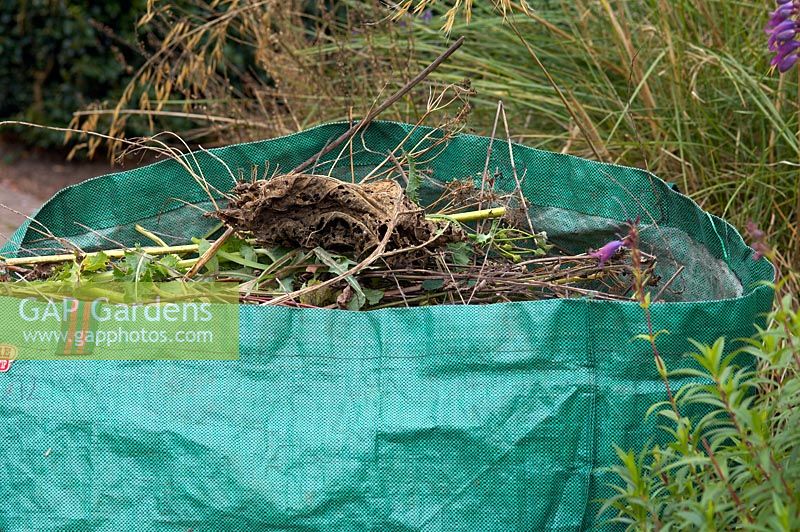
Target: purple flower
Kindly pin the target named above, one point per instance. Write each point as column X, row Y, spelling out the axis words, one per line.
column 607, row 252
column 787, row 62
column 426, row 16
column 784, row 25
column 783, row 29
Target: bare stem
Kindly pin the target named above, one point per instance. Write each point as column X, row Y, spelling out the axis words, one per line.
column 382, row 107
column 472, row 216
column 110, row 253
column 210, row 252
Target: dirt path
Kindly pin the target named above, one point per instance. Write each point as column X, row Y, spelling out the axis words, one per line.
column 29, row 177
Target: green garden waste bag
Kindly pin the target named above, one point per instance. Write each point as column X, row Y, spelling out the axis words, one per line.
column 485, row 418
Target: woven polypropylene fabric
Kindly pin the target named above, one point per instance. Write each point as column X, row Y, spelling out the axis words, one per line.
column 474, row 418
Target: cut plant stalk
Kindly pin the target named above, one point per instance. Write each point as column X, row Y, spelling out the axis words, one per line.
column 210, row 252
column 110, row 253
column 472, row 216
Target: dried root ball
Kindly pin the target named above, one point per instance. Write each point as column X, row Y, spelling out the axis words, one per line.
column 307, row 211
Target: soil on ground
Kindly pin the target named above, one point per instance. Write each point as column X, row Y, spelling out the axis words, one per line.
column 29, row 177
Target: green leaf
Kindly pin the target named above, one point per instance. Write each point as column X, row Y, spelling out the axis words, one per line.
column 136, row 264
column 339, row 265
column 319, row 297
column 355, row 303
column 95, row 262
column 70, row 272
column 165, row 267
column 233, row 245
column 274, row 254
column 248, row 253
column 482, row 238
column 373, row 296
column 212, row 266
column 461, row 252
column 286, row 284
column 169, row 261
column 431, row 285
column 236, row 258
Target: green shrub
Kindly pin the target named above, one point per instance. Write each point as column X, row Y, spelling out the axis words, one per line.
column 59, row 56
column 734, row 462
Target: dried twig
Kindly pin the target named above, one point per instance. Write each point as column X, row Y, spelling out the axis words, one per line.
column 210, row 252
column 382, row 107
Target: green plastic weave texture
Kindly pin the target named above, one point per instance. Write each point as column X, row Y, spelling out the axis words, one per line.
column 449, row 418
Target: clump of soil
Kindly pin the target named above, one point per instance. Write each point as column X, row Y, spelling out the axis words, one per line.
column 308, row 211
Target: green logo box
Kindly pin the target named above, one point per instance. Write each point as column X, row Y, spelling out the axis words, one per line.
column 176, row 320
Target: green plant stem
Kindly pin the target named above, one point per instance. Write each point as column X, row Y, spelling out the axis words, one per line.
column 149, row 234
column 110, row 253
column 471, row 216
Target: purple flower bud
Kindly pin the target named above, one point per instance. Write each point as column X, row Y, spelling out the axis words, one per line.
column 785, row 49
column 774, row 20
column 780, row 15
column 771, row 42
column 607, row 252
column 785, row 25
column 783, row 29
column 788, row 47
column 785, row 9
column 787, row 62
column 427, row 15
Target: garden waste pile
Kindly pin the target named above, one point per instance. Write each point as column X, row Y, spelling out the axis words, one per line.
column 318, row 242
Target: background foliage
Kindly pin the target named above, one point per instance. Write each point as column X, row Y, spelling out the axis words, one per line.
column 679, row 87
column 58, row 56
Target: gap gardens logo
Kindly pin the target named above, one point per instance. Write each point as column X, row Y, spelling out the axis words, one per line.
column 119, row 321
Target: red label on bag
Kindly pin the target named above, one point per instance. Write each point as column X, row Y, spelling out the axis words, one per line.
column 7, row 355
